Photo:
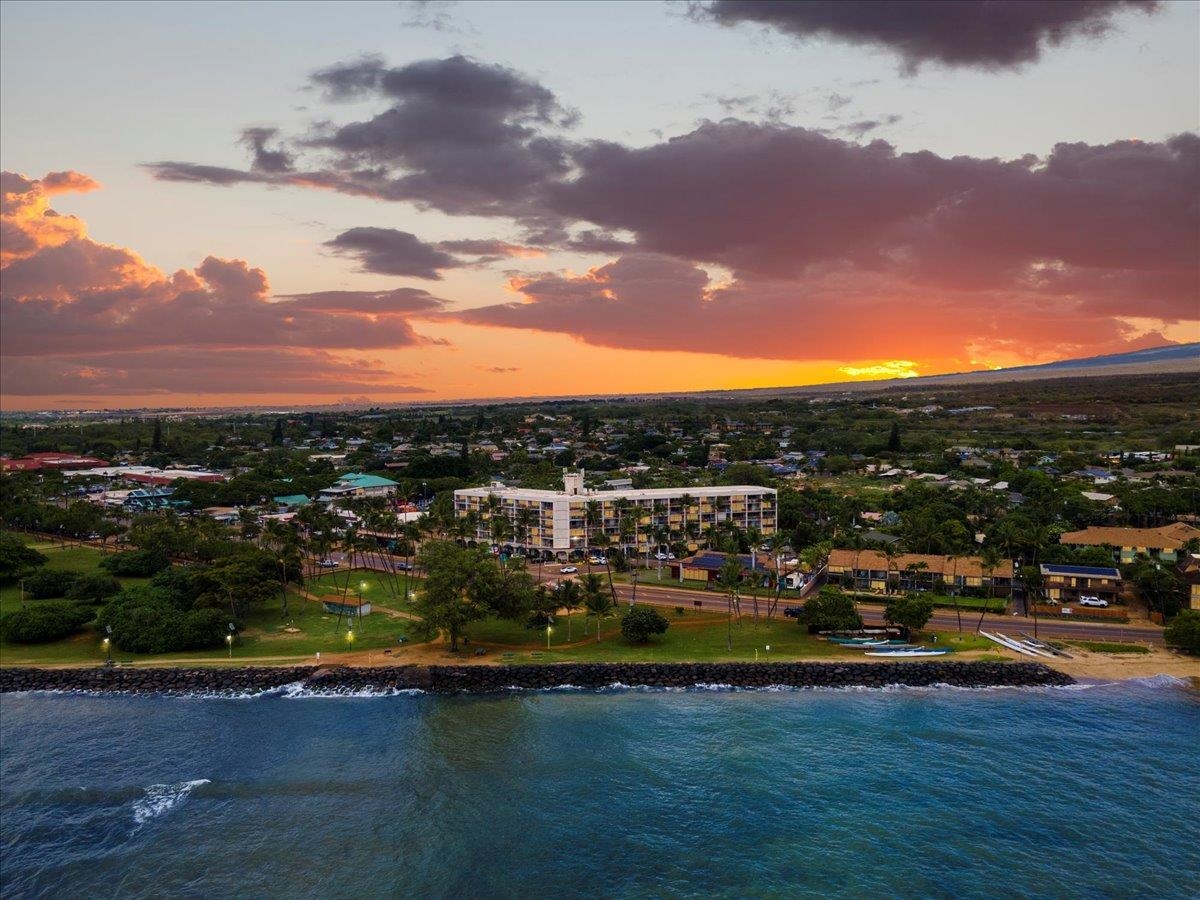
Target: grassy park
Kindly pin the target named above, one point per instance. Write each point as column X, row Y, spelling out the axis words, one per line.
column 268, row 635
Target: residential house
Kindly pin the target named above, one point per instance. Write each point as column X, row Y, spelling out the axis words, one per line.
column 871, row 570
column 1127, row 544
column 1066, row 584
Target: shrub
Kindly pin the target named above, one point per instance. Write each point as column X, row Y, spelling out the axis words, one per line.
column 143, row 620
column 912, row 611
column 135, row 563
column 641, row 622
column 94, row 588
column 43, row 622
column 831, row 610
column 49, row 584
column 1184, row 631
column 16, row 558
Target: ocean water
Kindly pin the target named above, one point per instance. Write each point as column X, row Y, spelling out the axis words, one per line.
column 1080, row 792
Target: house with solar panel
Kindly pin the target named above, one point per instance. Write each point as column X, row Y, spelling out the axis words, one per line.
column 1066, row 584
column 706, row 566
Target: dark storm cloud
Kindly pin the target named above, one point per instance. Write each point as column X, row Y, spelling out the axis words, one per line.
column 986, row 34
column 457, row 135
column 388, row 251
column 266, row 159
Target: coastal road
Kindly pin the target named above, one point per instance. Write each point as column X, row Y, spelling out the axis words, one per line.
column 655, row 593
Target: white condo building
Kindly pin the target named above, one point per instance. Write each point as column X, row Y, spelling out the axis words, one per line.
column 556, row 522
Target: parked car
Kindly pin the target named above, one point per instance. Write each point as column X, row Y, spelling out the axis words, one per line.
column 1093, row 601
column 327, row 563
column 793, row 612
column 661, row 556
column 596, row 560
column 569, row 570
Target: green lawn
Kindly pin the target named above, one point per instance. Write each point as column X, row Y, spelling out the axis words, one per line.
column 378, row 587
column 994, row 604
column 692, row 637
column 72, row 558
column 264, row 635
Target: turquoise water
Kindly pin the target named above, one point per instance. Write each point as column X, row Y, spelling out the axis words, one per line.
column 919, row 793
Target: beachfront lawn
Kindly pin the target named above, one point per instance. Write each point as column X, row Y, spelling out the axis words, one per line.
column 692, row 637
column 73, row 558
column 377, row 587
column 266, row 637
column 968, row 640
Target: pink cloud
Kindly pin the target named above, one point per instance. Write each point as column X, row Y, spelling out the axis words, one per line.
column 77, row 312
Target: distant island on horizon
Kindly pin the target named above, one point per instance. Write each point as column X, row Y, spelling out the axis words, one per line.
column 1165, row 359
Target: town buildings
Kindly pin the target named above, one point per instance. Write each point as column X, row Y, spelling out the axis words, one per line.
column 1066, row 584
column 559, row 522
column 872, row 570
column 355, row 484
column 1127, row 544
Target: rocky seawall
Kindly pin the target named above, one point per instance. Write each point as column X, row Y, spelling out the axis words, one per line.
column 494, row 679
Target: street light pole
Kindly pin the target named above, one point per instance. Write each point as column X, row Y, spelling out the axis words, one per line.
column 633, row 576
column 548, row 630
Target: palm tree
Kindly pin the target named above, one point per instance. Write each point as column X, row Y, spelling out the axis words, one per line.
column 953, row 584
column 991, row 558
column 754, row 535
column 685, row 501
column 730, row 579
column 602, row 542
column 592, row 516
column 526, row 518
column 569, row 598
column 662, row 537
column 596, row 601
column 892, row 554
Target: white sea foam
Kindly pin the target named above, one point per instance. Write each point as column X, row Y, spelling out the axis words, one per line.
column 160, row 799
column 298, row 691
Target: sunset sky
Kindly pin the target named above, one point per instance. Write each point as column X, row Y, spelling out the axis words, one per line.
column 240, row 203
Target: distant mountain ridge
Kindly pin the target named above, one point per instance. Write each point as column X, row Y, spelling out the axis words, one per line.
column 1168, row 353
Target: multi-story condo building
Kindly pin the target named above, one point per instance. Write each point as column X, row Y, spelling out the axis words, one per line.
column 556, row 523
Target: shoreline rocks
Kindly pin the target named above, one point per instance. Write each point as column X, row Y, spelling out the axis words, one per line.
column 496, row 679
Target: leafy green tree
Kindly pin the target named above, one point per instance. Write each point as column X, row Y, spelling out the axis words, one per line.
column 49, row 583
column 912, row 611
column 1184, row 631
column 640, row 623
column 1160, row 586
column 893, row 442
column 448, row 601
column 146, row 620
column 135, row 563
column 17, row 559
column 41, row 622
column 831, row 610
column 94, row 587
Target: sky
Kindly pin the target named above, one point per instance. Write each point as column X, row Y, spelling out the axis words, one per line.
column 288, row 204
